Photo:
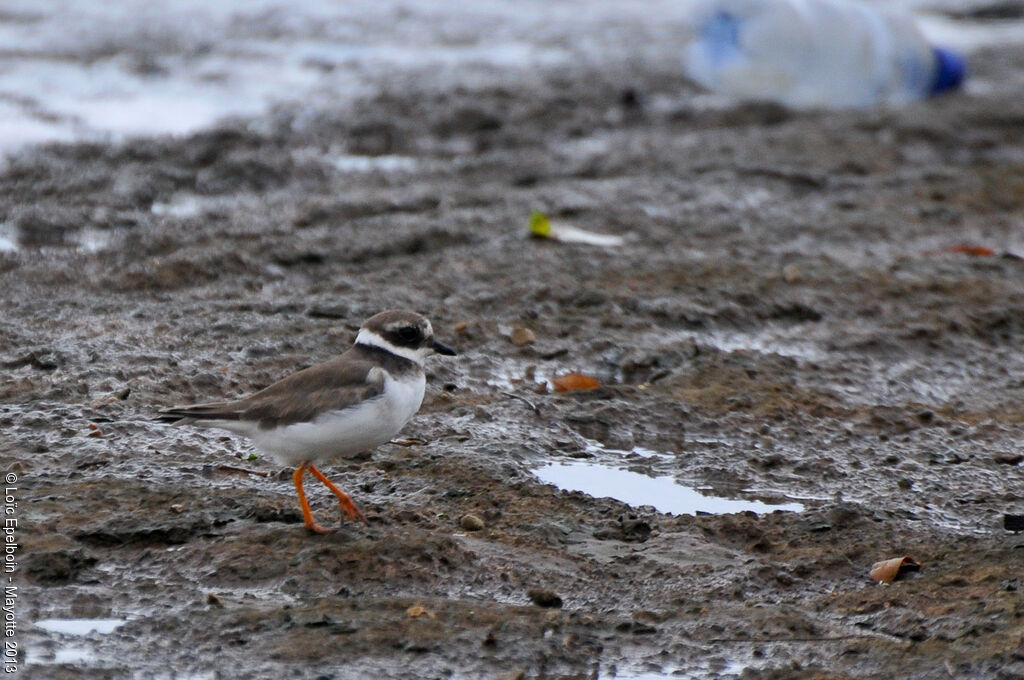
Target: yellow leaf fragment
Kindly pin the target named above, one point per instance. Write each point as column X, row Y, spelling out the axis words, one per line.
column 542, row 227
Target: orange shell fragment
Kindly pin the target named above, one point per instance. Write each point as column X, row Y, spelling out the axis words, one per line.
column 887, row 571
column 417, row 610
column 574, row 381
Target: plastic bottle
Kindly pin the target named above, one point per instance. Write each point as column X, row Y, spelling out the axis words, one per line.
column 815, row 53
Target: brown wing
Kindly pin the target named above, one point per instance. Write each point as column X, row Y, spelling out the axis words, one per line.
column 331, row 386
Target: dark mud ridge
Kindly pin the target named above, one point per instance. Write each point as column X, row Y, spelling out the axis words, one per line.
column 815, row 309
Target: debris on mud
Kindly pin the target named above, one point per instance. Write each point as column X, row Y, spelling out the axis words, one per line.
column 786, row 323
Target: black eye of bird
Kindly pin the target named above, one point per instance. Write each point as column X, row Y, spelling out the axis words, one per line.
column 409, row 333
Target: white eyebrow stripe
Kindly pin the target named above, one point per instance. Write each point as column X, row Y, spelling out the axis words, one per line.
column 372, row 339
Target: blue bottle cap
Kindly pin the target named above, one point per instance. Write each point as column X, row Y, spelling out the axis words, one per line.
column 950, row 70
column 720, row 37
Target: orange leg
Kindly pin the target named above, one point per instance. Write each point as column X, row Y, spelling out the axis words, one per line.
column 307, row 514
column 343, row 500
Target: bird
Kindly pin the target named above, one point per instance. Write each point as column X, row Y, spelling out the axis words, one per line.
column 345, row 406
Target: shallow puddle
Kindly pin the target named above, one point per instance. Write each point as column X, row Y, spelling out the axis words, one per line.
column 636, row 489
column 786, row 341
column 352, row 163
column 729, row 669
column 8, row 239
column 82, row 240
column 80, row 626
column 74, row 653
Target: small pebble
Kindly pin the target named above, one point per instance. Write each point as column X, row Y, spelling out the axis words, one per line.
column 516, row 674
column 471, row 523
column 521, row 336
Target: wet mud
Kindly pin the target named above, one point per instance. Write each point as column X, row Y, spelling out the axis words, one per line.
column 818, row 308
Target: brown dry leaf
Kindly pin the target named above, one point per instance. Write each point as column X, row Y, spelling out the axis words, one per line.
column 970, row 249
column 574, row 381
column 887, row 571
column 418, row 610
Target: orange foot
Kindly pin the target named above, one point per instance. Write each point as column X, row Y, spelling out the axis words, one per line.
column 343, row 500
column 347, row 506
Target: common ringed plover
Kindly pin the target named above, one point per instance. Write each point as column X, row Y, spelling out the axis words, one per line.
column 345, row 406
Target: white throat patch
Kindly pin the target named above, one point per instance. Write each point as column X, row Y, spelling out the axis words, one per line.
column 367, row 337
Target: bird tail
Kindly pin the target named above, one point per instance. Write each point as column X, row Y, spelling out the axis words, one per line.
column 214, row 411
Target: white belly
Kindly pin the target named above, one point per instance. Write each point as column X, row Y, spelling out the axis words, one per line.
column 338, row 434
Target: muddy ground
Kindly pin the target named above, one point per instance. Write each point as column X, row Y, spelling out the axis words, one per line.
column 790, row 318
